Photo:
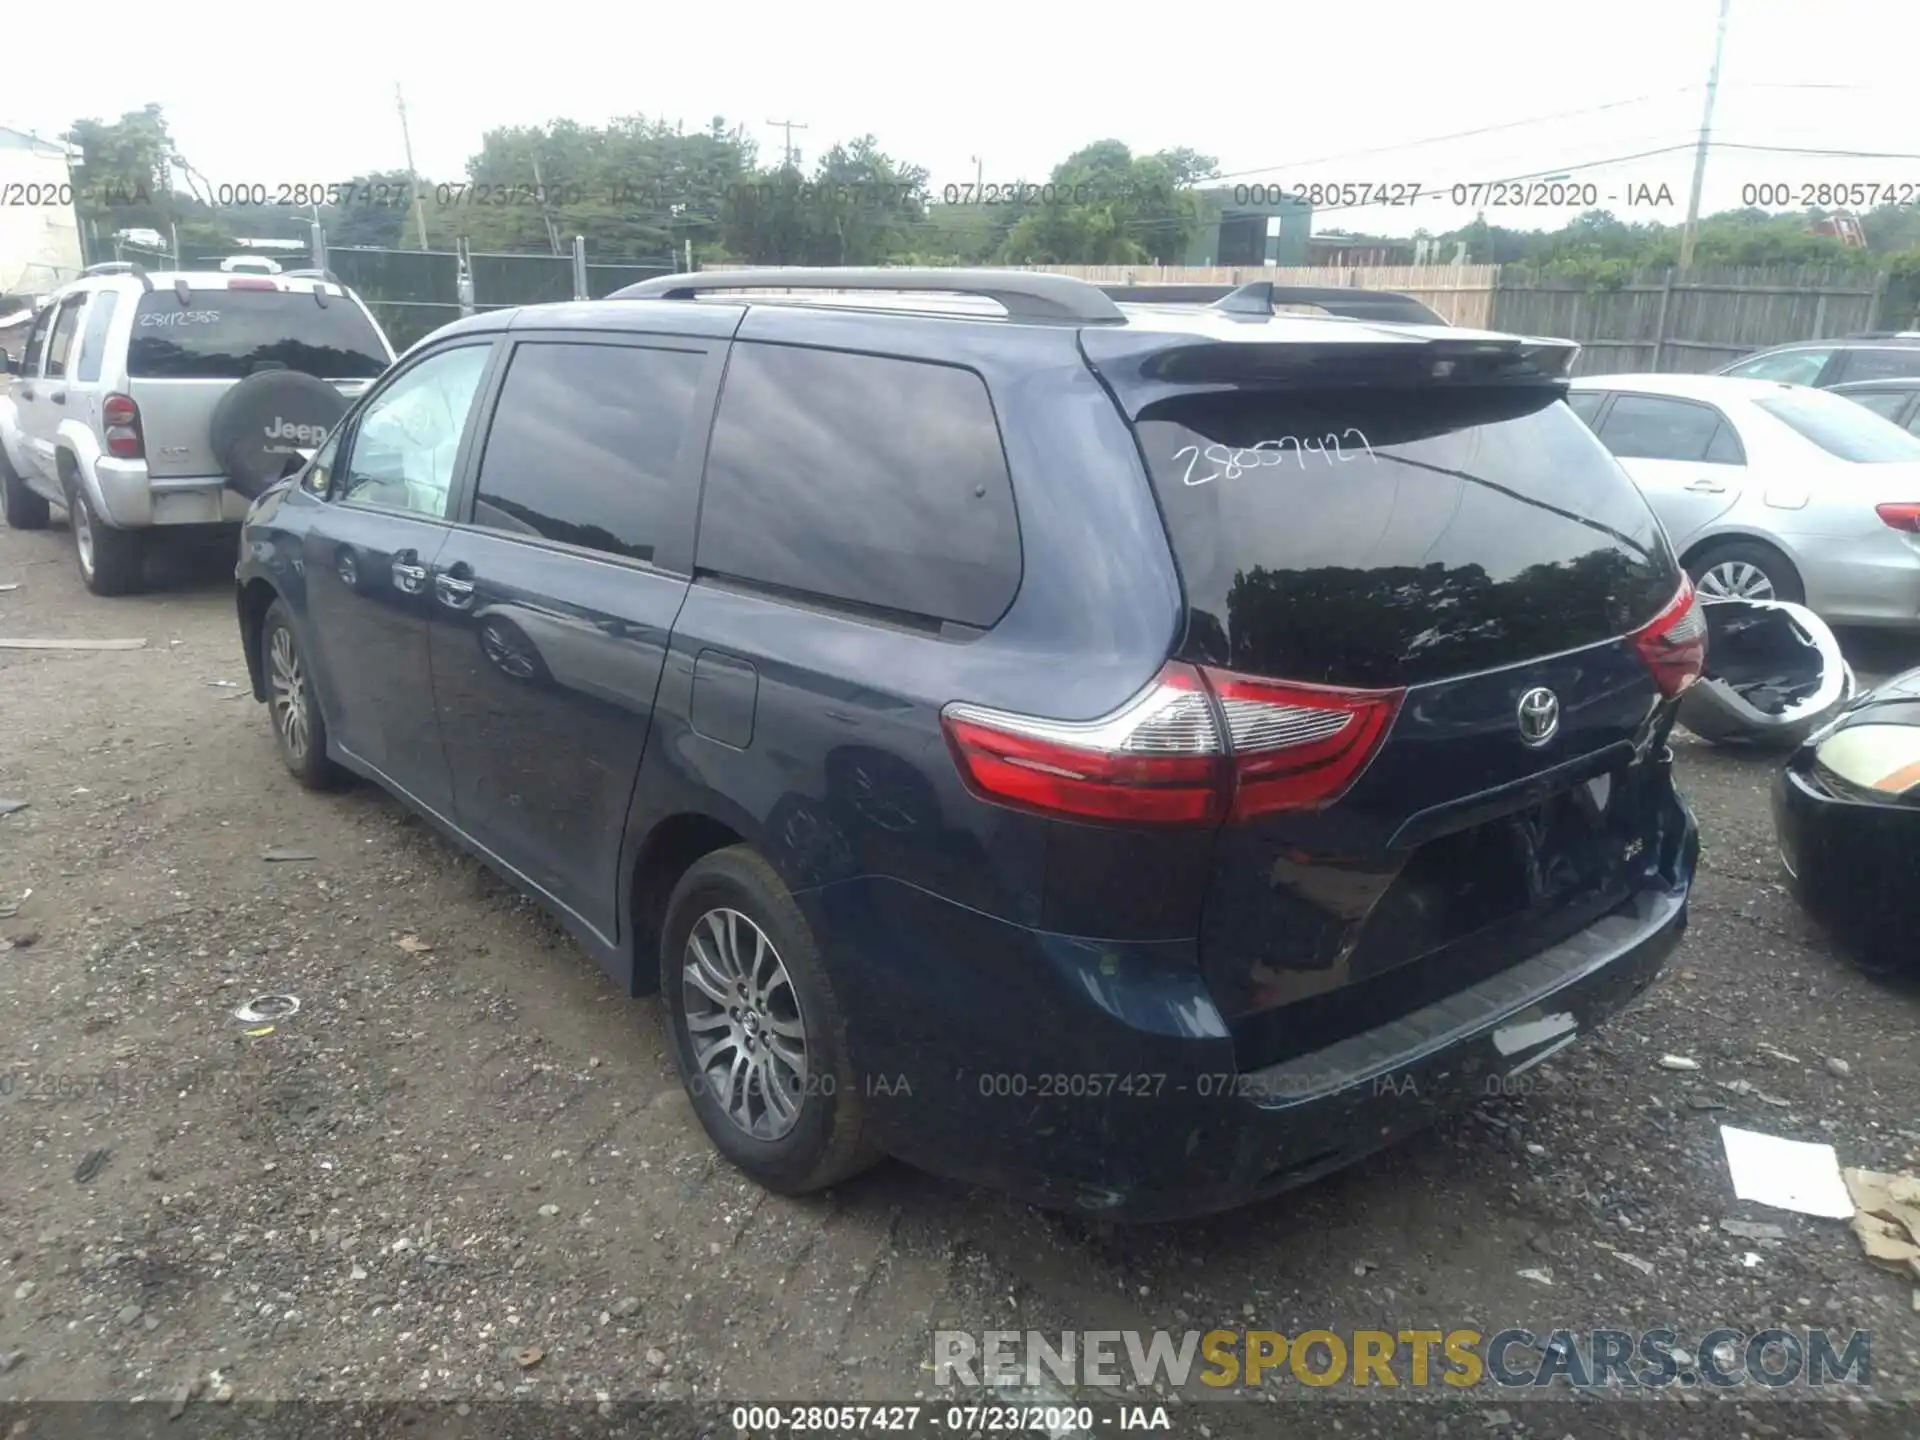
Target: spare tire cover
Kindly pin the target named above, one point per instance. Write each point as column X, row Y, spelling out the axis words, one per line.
column 261, row 425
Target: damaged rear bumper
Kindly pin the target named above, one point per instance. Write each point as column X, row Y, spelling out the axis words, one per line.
column 1097, row 1077
column 1774, row 675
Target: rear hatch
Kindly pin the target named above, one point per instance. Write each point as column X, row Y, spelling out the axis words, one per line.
column 188, row 349
column 1439, row 620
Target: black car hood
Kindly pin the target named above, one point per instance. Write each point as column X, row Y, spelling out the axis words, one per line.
column 1892, row 702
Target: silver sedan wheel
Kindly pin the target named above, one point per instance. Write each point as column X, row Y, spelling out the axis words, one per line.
column 287, row 693
column 743, row 1020
column 1736, row 580
column 82, row 524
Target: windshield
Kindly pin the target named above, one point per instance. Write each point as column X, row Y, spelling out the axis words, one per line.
column 1390, row 537
column 228, row 334
column 1841, row 428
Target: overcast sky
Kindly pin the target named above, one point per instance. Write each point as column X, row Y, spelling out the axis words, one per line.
column 1278, row 92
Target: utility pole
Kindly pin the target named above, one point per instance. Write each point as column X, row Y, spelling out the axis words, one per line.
column 419, row 214
column 788, row 126
column 979, row 179
column 546, row 211
column 1706, row 130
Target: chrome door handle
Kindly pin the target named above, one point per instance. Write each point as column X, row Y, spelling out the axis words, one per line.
column 407, row 577
column 59, row 397
column 1707, row 487
column 452, row 593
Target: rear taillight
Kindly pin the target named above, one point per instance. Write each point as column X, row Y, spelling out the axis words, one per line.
column 1162, row 758
column 1674, row 644
column 1157, row 759
column 252, row 282
column 1903, row 516
column 1298, row 747
column 120, row 418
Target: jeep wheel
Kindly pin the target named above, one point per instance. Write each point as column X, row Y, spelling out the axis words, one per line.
column 24, row 510
column 111, row 561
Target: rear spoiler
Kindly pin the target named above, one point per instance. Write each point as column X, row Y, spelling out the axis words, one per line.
column 1260, row 296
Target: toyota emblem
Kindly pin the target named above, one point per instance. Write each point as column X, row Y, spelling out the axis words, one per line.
column 1539, row 716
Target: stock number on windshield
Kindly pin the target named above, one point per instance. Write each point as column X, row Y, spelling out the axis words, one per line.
column 1231, row 464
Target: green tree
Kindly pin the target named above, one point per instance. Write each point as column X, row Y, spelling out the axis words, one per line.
column 859, row 206
column 1110, row 207
column 124, row 177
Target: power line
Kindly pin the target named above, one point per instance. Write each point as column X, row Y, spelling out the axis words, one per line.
column 1457, row 134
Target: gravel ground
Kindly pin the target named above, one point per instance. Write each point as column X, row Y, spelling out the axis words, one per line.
column 464, row 1170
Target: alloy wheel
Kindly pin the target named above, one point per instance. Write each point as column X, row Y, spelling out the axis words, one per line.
column 1736, row 580
column 743, row 1020
column 287, row 693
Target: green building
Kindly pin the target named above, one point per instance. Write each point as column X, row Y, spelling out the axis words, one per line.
column 1250, row 225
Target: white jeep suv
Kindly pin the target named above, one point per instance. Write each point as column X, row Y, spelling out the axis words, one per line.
column 172, row 399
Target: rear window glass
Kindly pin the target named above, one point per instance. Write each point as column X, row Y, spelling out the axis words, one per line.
column 228, row 334
column 1841, row 428
column 1393, row 537
column 1887, row 404
column 873, row 481
column 1882, row 364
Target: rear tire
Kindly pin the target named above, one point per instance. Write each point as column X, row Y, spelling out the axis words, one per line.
column 1745, row 570
column 299, row 729
column 24, row 509
column 112, row 562
column 733, row 904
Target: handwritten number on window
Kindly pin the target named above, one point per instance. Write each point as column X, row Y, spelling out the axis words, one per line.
column 1231, row 464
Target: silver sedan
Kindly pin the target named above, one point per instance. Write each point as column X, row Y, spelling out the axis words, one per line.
column 1771, row 491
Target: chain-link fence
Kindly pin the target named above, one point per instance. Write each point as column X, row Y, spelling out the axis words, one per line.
column 412, row 293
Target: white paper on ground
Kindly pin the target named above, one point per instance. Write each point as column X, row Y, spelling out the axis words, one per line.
column 1786, row 1174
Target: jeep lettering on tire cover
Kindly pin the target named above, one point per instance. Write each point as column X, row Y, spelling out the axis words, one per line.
column 261, row 425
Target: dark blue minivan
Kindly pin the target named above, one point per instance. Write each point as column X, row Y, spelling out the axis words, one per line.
column 1140, row 756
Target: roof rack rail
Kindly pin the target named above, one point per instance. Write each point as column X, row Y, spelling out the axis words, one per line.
column 1258, row 297
column 1025, row 294
column 119, row 267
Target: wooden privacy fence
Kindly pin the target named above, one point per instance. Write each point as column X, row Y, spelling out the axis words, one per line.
column 1654, row 320
column 1659, row 321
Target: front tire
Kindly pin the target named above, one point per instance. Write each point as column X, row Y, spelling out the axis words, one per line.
column 112, row 562
column 24, row 509
column 1746, row 570
column 757, row 1032
column 299, row 730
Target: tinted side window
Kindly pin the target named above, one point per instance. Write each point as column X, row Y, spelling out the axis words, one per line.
column 586, row 444
column 1794, row 367
column 93, row 341
column 871, row 480
column 1649, row 427
column 1586, row 403
column 60, row 341
column 1880, row 364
